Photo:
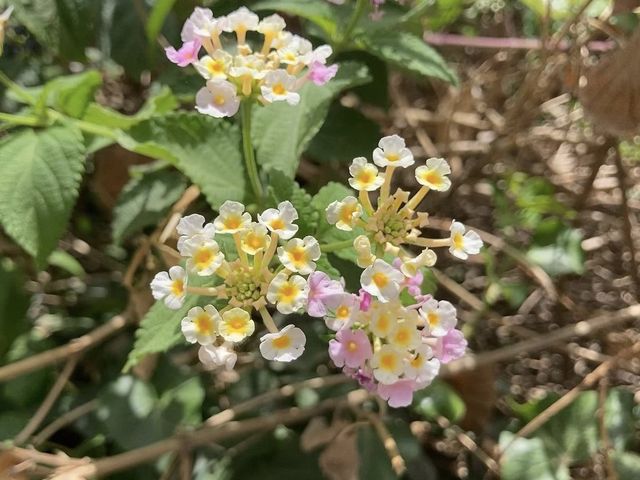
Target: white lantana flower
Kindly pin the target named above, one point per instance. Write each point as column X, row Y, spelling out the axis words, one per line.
column 383, row 320
column 344, row 214
column 364, row 175
column 213, row 356
column 283, row 346
column 405, row 336
column 434, row 174
column 427, row 258
column 392, row 152
column 440, row 317
column 171, row 287
column 203, row 255
column 342, row 308
column 280, row 220
column 242, row 21
column 320, row 55
column 214, row 67
column 294, row 50
column 254, row 238
column 271, row 25
column 288, row 293
column 232, row 218
column 279, row 86
column 218, row 99
column 382, row 281
column 198, row 25
column 388, row 364
column 200, row 325
column 193, row 225
column 422, row 368
column 463, row 244
column 236, row 325
column 299, row 255
column 362, row 246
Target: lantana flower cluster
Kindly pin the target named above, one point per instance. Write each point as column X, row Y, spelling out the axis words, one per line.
column 391, row 348
column 236, row 70
column 270, row 270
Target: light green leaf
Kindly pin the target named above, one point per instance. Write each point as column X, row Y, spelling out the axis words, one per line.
column 281, row 132
column 527, row 459
column 316, row 11
column 565, row 256
column 40, row 173
column 144, row 201
column 67, row 262
column 159, row 330
column 619, row 418
column 205, row 149
column 627, row 465
column 408, row 52
column 439, row 400
column 71, row 94
column 157, row 16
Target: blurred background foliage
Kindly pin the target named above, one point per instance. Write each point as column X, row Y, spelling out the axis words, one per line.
column 95, row 118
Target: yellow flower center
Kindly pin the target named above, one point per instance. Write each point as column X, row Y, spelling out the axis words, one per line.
column 416, row 362
column 388, row 361
column 204, row 324
column 219, row 100
column 281, row 342
column 279, row 89
column 346, row 213
column 277, row 224
column 342, row 311
column 288, row 293
column 215, row 66
column 383, row 323
column 298, row 255
column 232, row 222
column 177, row 288
column 352, row 346
column 393, row 157
column 458, row 241
column 402, row 336
column 290, row 57
column 365, row 177
column 433, row 318
column 237, row 324
column 255, row 242
column 380, row 279
column 432, row 177
column 203, row 257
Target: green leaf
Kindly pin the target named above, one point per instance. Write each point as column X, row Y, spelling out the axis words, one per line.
column 205, row 149
column 281, row 132
column 563, row 9
column 563, row 257
column 40, row 173
column 159, row 330
column 627, row 465
column 408, row 52
column 64, row 260
column 72, row 94
column 128, row 41
column 316, row 11
column 283, row 188
column 439, row 400
column 619, row 418
column 331, row 145
column 144, row 201
column 157, row 16
column 329, row 233
column 527, row 459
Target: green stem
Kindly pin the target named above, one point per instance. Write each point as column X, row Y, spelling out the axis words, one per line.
column 334, row 246
column 249, row 154
column 19, row 91
column 345, row 38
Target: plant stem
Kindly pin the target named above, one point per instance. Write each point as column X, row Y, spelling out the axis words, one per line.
column 333, row 246
column 353, row 22
column 249, row 154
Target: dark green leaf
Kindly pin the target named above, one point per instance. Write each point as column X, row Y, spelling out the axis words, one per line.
column 316, row 11
column 627, row 465
column 564, row 257
column 282, row 188
column 13, row 305
column 439, row 400
column 40, row 173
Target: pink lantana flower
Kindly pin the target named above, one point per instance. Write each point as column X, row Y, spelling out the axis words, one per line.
column 398, row 394
column 450, row 347
column 365, row 300
column 414, row 283
column 351, row 348
column 320, row 74
column 321, row 289
column 186, row 55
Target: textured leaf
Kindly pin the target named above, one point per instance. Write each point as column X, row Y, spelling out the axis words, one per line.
column 205, row 149
column 281, row 132
column 408, row 52
column 159, row 330
column 40, row 173
column 144, row 201
column 316, row 11
column 70, row 94
column 527, row 459
column 283, row 188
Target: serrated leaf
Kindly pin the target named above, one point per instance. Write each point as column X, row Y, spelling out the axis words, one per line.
column 71, row 94
column 329, row 233
column 283, row 188
column 316, row 11
column 159, row 330
column 40, row 174
column 205, row 149
column 281, row 132
column 144, row 201
column 408, row 52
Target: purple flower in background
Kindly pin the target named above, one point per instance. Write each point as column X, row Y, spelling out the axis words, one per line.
column 365, row 300
column 350, row 347
column 186, row 55
column 320, row 73
column 398, row 394
column 451, row 346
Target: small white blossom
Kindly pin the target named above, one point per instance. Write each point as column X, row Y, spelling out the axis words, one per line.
column 392, row 152
column 279, row 86
column 242, row 21
column 217, row 356
column 440, row 317
column 299, row 255
column 427, row 258
column 463, row 244
column 283, row 346
column 236, row 325
column 344, row 214
column 382, row 281
column 214, row 67
column 434, row 174
column 364, row 255
column 203, row 255
column 343, row 307
column 170, row 286
column 280, row 220
column 193, row 225
column 288, row 293
column 364, row 175
column 388, row 364
column 218, row 99
column 232, row 218
column 254, row 238
column 201, row 324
